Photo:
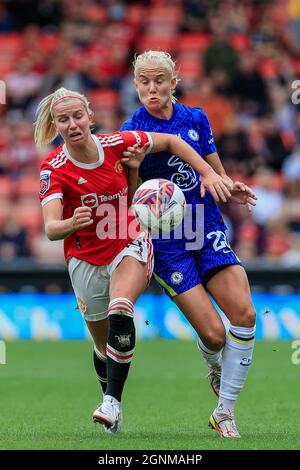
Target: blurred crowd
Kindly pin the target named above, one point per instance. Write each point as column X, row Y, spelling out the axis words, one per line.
column 239, row 61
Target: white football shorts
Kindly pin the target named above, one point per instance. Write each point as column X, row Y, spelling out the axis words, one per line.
column 91, row 283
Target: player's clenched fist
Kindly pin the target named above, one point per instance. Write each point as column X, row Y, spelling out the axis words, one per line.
column 82, row 217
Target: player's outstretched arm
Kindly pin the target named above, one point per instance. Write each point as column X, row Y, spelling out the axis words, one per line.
column 58, row 229
column 240, row 192
column 211, row 181
column 243, row 194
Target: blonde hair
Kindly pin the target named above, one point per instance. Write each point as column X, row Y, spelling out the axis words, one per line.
column 162, row 58
column 45, row 130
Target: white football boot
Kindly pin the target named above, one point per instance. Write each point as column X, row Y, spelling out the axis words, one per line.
column 109, row 413
column 224, row 423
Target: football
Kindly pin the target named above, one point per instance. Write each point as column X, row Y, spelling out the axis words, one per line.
column 159, row 205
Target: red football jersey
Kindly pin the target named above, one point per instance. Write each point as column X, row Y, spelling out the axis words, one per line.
column 103, row 186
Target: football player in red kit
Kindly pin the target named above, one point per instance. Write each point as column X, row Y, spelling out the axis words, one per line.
column 84, row 192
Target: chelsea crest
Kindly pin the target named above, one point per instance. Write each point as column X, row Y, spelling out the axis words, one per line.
column 193, row 135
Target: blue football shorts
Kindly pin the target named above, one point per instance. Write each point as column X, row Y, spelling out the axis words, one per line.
column 178, row 270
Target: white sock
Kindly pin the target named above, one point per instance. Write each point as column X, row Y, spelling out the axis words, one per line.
column 236, row 359
column 212, row 358
column 225, row 405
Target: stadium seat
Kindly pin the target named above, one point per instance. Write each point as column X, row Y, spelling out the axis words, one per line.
column 164, row 14
column 50, row 42
column 95, row 13
column 268, row 68
column 193, row 42
column 11, row 42
column 239, row 41
column 190, row 67
column 30, row 215
column 104, row 98
column 162, row 29
column 6, row 187
column 296, row 66
column 157, row 43
column 6, row 66
column 10, row 50
column 5, row 208
column 27, row 186
column 135, row 14
column 45, row 251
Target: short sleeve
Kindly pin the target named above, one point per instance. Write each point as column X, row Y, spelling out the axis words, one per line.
column 207, row 141
column 137, row 137
column 50, row 184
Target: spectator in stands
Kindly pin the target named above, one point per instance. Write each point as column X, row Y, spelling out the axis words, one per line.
column 194, row 15
column 220, row 55
column 218, row 108
column 248, row 85
column 13, row 238
column 234, row 146
column 7, row 23
column 22, row 85
column 270, row 199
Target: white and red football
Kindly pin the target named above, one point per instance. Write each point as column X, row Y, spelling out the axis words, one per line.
column 159, row 205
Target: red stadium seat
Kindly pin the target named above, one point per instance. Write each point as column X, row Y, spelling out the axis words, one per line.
column 30, row 215
column 164, row 14
column 11, row 43
column 190, row 68
column 106, row 98
column 27, row 186
column 6, row 206
column 193, row 42
column 135, row 14
column 296, row 66
column 95, row 13
column 50, row 42
column 157, row 43
column 6, row 67
column 6, row 187
column 162, row 29
column 45, row 251
column 239, row 41
column 268, row 68
column 10, row 50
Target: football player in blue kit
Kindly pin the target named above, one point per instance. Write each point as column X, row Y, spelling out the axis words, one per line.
column 188, row 269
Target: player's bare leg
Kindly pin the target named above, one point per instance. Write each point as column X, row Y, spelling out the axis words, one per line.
column 128, row 281
column 231, row 291
column 200, row 312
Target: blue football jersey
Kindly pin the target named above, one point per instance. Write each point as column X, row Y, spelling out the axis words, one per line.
column 192, row 125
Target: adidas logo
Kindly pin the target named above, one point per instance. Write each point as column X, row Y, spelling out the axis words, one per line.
column 81, row 180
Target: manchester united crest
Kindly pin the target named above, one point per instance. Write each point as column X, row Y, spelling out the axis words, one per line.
column 118, row 167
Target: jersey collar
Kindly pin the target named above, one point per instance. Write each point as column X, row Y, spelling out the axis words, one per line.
column 160, row 120
column 88, row 166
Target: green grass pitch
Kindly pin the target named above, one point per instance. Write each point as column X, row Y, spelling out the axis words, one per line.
column 49, row 390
